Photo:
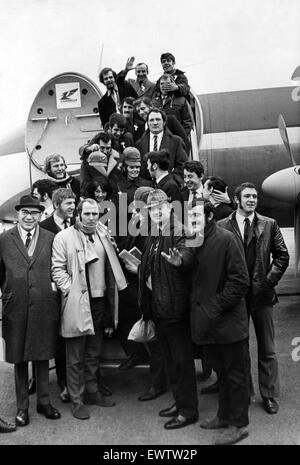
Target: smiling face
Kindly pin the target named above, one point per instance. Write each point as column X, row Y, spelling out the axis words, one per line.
column 133, row 172
column 168, row 65
column 66, row 209
column 141, row 72
column 191, row 180
column 116, row 132
column 29, row 217
column 58, row 169
column 99, row 194
column 143, row 110
column 248, row 202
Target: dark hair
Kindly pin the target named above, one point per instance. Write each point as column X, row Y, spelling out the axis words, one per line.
column 105, row 71
column 129, row 100
column 216, row 183
column 140, row 64
column 161, row 158
column 104, row 136
column 208, row 209
column 94, row 184
column 146, row 100
column 167, row 56
column 119, row 120
column 44, row 186
column 61, row 194
column 246, row 185
column 194, row 167
column 157, row 110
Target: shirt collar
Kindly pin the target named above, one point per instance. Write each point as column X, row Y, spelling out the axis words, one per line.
column 241, row 219
column 23, row 232
column 161, row 177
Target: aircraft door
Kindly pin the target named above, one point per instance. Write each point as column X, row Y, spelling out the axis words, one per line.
column 63, row 116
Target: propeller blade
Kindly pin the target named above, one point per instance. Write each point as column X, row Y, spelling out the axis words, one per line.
column 297, row 238
column 296, row 74
column 285, row 138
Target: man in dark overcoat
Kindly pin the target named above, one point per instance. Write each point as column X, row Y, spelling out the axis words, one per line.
column 219, row 321
column 30, row 312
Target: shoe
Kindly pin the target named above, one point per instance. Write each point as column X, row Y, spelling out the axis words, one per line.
column 231, row 436
column 152, row 393
column 97, row 399
column 270, row 405
column 169, row 412
column 104, row 390
column 6, row 427
column 22, row 417
column 32, row 386
column 50, row 412
column 80, row 412
column 211, row 389
column 213, row 423
column 180, row 422
column 65, row 396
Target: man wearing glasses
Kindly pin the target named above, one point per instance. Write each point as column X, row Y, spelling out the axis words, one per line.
column 30, row 312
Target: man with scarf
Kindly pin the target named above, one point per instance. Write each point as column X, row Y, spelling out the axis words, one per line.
column 86, row 270
column 55, row 167
column 164, row 298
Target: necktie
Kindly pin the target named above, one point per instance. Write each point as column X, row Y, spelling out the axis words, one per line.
column 28, row 240
column 246, row 230
column 155, row 144
column 91, row 238
column 194, row 199
column 66, row 224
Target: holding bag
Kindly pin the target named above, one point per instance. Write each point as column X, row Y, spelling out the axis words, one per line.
column 142, row 331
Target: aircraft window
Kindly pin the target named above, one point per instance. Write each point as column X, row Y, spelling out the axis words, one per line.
column 51, row 92
column 39, row 111
column 38, row 147
column 84, row 91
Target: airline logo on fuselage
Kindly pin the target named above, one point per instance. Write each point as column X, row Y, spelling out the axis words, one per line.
column 68, row 95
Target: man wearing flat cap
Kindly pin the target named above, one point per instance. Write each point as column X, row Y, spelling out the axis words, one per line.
column 30, row 312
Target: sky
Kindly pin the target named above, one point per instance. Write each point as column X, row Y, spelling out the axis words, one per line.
column 222, row 45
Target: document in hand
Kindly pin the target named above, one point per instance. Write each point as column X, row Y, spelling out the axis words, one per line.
column 132, row 256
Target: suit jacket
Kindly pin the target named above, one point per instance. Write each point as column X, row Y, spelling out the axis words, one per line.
column 106, row 104
column 30, row 311
column 147, row 85
column 271, row 257
column 170, row 142
column 50, row 225
column 170, row 187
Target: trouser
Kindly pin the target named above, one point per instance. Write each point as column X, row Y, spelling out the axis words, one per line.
column 263, row 323
column 83, row 356
column 230, row 363
column 42, row 383
column 158, row 371
column 60, row 362
column 176, row 345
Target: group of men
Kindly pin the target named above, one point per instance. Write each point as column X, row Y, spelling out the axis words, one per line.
column 59, row 272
